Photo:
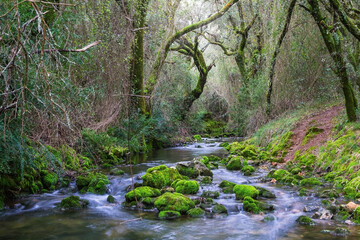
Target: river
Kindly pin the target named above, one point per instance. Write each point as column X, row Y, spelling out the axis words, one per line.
column 36, row 216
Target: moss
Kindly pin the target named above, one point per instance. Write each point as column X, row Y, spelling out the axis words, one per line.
column 224, row 144
column 225, row 184
column 210, row 194
column 356, row 215
column 234, row 164
column 304, row 220
column 281, row 146
column 219, row 208
column 73, row 202
column 174, row 202
column 49, row 179
column 196, row 212
column 185, row 186
column 242, row 191
column 265, row 193
column 206, row 180
column 168, row 215
column 110, row 199
column 311, row 133
column 279, row 174
column 295, row 170
column 341, row 216
column 160, row 176
column 310, row 182
column 250, row 205
column 117, row 172
column 247, row 170
column 94, row 183
column 141, row 193
column 197, row 138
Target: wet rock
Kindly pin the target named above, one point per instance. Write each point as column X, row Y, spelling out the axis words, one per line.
column 140, row 193
column 193, row 169
column 205, row 179
column 242, row 191
column 341, row 216
column 227, row 186
column 160, row 176
column 265, row 193
column 174, row 202
column 235, row 163
column 350, row 207
column 73, row 203
column 185, row 186
column 169, row 215
column 327, row 193
column 110, row 199
column 219, row 208
column 117, row 172
column 210, row 194
column 311, row 208
column 341, row 232
column 323, row 214
column 196, row 213
column 269, row 218
column 304, row 220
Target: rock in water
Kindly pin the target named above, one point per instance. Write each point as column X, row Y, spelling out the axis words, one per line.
column 193, row 169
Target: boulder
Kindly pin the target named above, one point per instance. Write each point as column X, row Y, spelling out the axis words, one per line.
column 242, row 191
column 174, row 202
column 185, row 186
column 196, row 212
column 160, row 176
column 169, row 215
column 304, row 220
column 73, row 203
column 193, row 169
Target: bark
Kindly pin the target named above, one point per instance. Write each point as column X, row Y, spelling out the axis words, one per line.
column 137, row 63
column 187, row 48
column 333, row 44
column 162, row 53
column 277, row 51
column 345, row 19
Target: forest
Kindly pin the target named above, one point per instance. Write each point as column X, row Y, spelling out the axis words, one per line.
column 180, row 119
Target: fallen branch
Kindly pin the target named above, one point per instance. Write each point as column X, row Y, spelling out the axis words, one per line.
column 70, row 50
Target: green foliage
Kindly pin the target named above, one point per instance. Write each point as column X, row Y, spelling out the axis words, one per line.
column 92, row 182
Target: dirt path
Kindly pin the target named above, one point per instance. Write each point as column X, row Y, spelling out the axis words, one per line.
column 322, row 120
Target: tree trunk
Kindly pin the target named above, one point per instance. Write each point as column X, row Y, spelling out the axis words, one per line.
column 276, row 53
column 137, row 63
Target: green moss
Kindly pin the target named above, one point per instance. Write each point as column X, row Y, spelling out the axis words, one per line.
column 210, row 194
column 265, row 193
column 160, row 176
column 73, row 202
column 356, row 215
column 110, row 199
column 168, row 215
column 185, row 186
column 295, row 170
column 141, row 193
column 224, row 144
column 227, row 186
column 94, row 183
column 242, row 191
column 281, row 146
column 234, row 164
column 247, row 170
column 174, row 202
column 279, row 174
column 206, row 180
column 197, row 138
column 310, row 182
column 196, row 212
column 250, row 205
column 341, row 216
column 304, row 220
column 49, row 180
column 311, row 133
column 219, row 208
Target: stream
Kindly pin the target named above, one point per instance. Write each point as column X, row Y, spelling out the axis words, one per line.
column 36, row 216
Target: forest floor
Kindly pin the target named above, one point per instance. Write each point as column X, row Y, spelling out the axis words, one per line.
column 323, row 120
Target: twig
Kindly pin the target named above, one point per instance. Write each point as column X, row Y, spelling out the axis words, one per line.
column 70, row 50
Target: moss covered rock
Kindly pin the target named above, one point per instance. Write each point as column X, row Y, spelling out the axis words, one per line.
column 248, row 170
column 92, row 182
column 169, row 215
column 357, row 215
column 196, row 212
column 73, row 202
column 235, row 163
column 219, row 209
column 304, row 220
column 242, row 191
column 48, row 179
column 141, row 193
column 194, row 168
column 227, row 186
column 185, row 186
column 251, row 205
column 310, row 182
column 265, row 193
column 110, row 199
column 210, row 194
column 160, row 176
column 174, row 202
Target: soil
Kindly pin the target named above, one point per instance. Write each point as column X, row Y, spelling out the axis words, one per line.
column 322, row 120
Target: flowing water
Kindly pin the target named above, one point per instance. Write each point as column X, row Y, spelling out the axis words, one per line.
column 36, row 216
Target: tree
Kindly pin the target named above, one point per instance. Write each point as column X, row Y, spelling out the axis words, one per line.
column 188, row 48
column 332, row 38
column 277, row 51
